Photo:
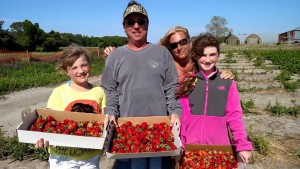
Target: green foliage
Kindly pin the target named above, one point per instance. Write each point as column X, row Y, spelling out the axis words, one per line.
column 284, row 76
column 112, row 41
column 280, row 110
column 297, row 154
column 259, row 61
column 229, row 58
column 291, row 86
column 259, row 143
column 26, row 75
column 10, row 147
column 29, row 36
column 247, row 106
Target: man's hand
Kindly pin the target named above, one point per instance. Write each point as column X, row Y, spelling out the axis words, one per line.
column 226, row 74
column 108, row 50
column 174, row 117
column 41, row 143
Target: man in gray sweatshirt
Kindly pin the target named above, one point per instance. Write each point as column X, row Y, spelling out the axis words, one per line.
column 140, row 79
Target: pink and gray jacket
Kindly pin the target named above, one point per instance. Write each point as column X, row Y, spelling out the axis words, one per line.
column 210, row 110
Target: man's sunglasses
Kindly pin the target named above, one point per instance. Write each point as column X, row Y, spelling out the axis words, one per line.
column 181, row 42
column 132, row 22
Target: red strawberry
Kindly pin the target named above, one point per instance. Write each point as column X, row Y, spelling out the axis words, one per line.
column 49, row 118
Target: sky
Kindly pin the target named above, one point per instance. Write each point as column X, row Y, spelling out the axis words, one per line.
column 99, row 18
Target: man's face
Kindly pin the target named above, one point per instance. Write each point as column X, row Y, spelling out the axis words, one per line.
column 136, row 28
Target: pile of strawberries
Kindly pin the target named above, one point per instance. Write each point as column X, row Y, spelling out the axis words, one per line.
column 83, row 128
column 143, row 138
column 208, row 159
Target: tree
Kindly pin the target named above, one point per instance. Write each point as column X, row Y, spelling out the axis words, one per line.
column 112, row 41
column 218, row 28
column 52, row 42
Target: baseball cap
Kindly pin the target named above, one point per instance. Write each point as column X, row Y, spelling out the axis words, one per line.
column 134, row 7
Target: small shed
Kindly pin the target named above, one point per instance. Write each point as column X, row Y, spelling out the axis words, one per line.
column 253, row 39
column 233, row 40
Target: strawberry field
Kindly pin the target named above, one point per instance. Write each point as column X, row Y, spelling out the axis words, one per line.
column 271, row 111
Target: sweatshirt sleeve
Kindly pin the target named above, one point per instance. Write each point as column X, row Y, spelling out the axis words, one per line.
column 110, row 86
column 185, row 110
column 235, row 122
column 171, row 85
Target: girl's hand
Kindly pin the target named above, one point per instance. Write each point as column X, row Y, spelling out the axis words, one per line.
column 41, row 143
column 244, row 155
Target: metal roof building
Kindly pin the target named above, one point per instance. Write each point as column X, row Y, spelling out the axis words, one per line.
column 258, row 39
column 292, row 36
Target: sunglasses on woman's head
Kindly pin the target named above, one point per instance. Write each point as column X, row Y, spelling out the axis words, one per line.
column 132, row 22
column 181, row 42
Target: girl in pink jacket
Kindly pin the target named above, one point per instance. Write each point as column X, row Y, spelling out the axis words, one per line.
column 211, row 105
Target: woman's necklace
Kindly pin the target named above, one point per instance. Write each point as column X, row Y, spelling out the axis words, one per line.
column 184, row 68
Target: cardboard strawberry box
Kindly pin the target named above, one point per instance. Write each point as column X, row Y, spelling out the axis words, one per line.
column 195, row 147
column 198, row 155
column 138, row 120
column 27, row 136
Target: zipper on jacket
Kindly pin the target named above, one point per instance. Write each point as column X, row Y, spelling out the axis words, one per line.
column 205, row 110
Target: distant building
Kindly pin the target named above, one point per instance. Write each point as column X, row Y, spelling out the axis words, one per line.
column 253, row 39
column 257, row 39
column 233, row 40
column 292, row 36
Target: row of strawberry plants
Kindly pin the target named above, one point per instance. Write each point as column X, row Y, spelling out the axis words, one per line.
column 288, row 60
column 24, row 75
column 11, row 148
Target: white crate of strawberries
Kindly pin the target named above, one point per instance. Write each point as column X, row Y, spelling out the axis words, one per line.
column 70, row 129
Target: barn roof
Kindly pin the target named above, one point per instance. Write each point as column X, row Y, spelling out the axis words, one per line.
column 266, row 38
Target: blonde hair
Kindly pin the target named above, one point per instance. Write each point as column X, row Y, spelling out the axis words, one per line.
column 69, row 56
column 165, row 41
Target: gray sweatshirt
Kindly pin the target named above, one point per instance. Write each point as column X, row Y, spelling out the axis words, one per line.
column 140, row 83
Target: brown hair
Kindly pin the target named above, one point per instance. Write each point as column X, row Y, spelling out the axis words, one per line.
column 187, row 84
column 70, row 55
column 202, row 41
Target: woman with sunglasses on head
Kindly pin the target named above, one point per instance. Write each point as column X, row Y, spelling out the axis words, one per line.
column 211, row 106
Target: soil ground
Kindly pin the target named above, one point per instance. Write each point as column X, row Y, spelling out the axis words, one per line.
column 282, row 133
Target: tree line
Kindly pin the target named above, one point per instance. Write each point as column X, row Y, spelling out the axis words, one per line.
column 28, row 36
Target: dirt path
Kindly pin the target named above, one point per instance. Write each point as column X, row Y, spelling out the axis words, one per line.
column 283, row 133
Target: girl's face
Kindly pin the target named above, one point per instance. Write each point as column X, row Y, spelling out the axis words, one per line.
column 208, row 60
column 80, row 71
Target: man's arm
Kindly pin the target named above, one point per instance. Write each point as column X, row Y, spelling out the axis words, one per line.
column 110, row 86
column 171, row 85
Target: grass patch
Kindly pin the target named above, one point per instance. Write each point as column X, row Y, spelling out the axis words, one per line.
column 229, row 58
column 279, row 110
column 248, row 106
column 260, row 144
